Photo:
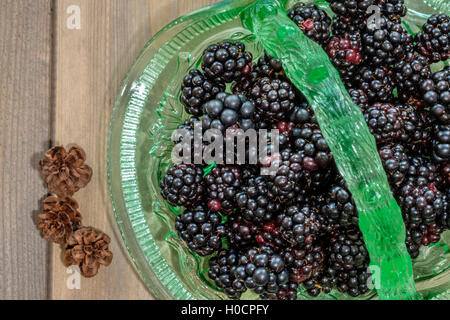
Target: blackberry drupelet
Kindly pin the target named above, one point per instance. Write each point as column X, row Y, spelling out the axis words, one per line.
column 221, row 271
column 393, row 9
column 376, row 83
column 314, row 22
column 197, row 90
column 303, row 262
column 347, row 251
column 409, row 74
column 396, row 164
column 387, row 45
column 441, row 144
column 183, row 185
column 227, row 61
column 436, row 94
column 299, row 224
column 345, row 54
column 201, row 229
column 222, row 184
column 262, row 271
column 253, row 201
column 434, row 40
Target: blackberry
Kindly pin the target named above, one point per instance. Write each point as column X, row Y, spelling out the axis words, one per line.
column 422, row 172
column 269, row 66
column 229, row 110
column 184, row 137
column 432, row 234
column 221, row 271
column 441, row 144
column 299, row 224
column 436, row 94
column 347, row 25
column 274, row 98
column 350, row 8
column 434, row 40
column 241, row 232
column 413, row 242
column 386, row 45
column 222, row 184
column 262, row 271
column 409, row 74
column 376, row 83
column 396, row 164
column 321, row 281
column 197, row 90
column 385, row 122
column 338, row 207
column 393, row 9
column 359, row 97
column 303, row 262
column 183, row 185
column 347, row 251
column 201, row 230
column 345, row 54
column 314, row 22
column 227, row 61
column 253, row 201
column 285, row 292
column 270, row 235
column 353, row 282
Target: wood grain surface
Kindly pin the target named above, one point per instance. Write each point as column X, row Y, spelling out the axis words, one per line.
column 57, row 87
column 25, row 68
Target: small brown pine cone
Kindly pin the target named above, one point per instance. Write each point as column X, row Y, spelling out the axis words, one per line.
column 65, row 172
column 88, row 249
column 59, row 219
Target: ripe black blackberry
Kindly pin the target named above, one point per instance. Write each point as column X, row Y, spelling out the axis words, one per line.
column 183, row 185
column 304, row 262
column 253, row 201
column 376, row 83
column 436, row 94
column 343, row 25
column 222, row 184
column 338, row 207
column 270, row 235
column 274, row 98
column 345, row 54
column 354, row 282
column 299, row 224
column 386, row 45
column 241, row 232
column 385, row 123
column 359, row 97
column 229, row 110
column 422, row 172
column 409, row 74
column 184, row 138
column 396, row 164
column 347, row 251
column 314, row 22
column 434, row 40
column 201, row 229
column 321, row 281
column 413, row 242
column 441, row 144
column 287, row 291
column 262, row 271
column 227, row 61
column 221, row 271
column 350, row 8
column 197, row 90
column 393, row 9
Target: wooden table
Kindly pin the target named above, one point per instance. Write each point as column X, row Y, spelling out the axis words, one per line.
column 57, row 87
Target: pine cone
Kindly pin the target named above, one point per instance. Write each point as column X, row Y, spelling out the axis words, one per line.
column 88, row 249
column 59, row 219
column 65, row 172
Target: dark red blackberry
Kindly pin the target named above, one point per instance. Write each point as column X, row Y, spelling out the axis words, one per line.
column 393, row 9
column 359, row 97
column 221, row 271
column 350, row 8
column 441, row 144
column 354, row 282
column 376, row 83
column 183, row 185
column 338, row 207
column 303, row 262
column 222, row 184
column 409, row 74
column 396, row 164
column 434, row 40
column 201, row 229
column 386, row 45
column 241, row 232
column 196, row 90
column 262, row 271
column 227, row 61
column 436, row 94
column 314, row 22
column 345, row 54
column 347, row 251
column 274, row 98
column 253, row 201
column 229, row 110
column 299, row 224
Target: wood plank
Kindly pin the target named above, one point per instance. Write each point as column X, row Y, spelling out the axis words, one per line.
column 90, row 64
column 25, row 108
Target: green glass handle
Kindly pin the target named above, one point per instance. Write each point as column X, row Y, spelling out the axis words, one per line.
column 349, row 138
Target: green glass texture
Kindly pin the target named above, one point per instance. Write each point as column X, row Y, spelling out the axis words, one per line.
column 146, row 112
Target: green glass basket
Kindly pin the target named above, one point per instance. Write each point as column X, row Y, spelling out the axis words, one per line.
column 147, row 111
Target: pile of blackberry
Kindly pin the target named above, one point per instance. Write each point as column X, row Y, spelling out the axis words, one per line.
column 296, row 229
